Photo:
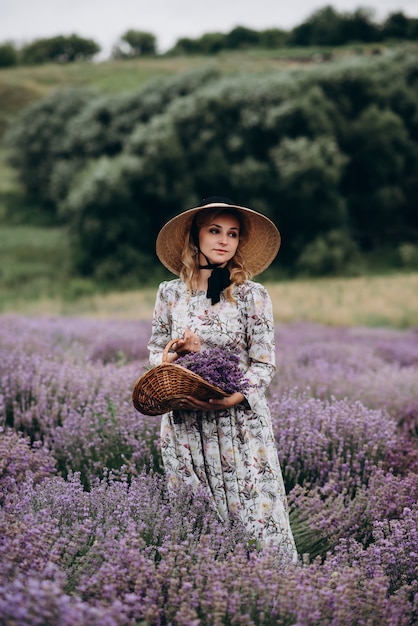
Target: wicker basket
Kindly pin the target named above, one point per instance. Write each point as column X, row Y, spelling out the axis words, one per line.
column 163, row 387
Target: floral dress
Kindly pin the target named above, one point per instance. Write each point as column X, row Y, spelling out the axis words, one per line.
column 231, row 452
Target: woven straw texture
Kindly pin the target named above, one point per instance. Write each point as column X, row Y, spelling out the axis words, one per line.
column 163, row 387
column 259, row 250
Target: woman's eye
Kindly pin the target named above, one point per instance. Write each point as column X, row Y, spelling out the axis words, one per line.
column 216, row 231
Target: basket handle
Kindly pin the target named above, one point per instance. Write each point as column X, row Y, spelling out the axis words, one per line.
column 167, row 348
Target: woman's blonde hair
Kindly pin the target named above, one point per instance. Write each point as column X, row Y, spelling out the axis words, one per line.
column 190, row 255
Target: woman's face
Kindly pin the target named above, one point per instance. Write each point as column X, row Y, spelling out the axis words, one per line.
column 218, row 239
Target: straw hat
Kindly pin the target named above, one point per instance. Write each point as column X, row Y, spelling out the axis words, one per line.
column 259, row 249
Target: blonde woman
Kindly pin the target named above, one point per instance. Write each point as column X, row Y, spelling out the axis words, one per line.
column 226, row 445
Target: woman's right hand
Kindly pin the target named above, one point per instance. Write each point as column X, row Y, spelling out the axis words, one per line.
column 218, row 404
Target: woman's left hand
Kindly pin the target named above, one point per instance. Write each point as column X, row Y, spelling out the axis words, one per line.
column 215, row 404
column 189, row 343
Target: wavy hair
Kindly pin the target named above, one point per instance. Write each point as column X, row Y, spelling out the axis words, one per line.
column 190, row 255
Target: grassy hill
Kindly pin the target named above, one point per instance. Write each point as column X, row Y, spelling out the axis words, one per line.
column 35, row 274
column 21, row 85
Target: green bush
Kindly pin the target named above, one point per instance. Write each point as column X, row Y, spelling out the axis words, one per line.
column 382, row 153
column 135, row 43
column 308, row 175
column 398, row 26
column 323, row 151
column 331, row 253
column 8, row 55
column 59, row 49
column 53, row 139
column 37, row 137
column 328, row 27
column 408, row 253
column 108, row 229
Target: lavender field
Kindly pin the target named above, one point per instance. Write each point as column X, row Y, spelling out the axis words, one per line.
column 88, row 535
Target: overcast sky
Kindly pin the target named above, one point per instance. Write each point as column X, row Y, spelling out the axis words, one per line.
column 106, row 20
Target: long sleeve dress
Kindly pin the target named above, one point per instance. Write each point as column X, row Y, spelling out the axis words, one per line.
column 231, row 452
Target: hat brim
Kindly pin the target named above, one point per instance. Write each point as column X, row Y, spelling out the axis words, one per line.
column 259, row 249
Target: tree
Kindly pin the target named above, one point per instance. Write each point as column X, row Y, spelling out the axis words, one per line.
column 135, row 43
column 398, row 26
column 238, row 38
column 272, row 38
column 109, row 231
column 327, row 27
column 322, row 28
column 359, row 26
column 8, row 55
column 308, row 183
column 36, row 137
column 185, row 45
column 211, row 43
column 332, row 252
column 380, row 151
column 59, row 49
column 242, row 37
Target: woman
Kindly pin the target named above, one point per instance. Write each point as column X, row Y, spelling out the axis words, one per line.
column 226, row 444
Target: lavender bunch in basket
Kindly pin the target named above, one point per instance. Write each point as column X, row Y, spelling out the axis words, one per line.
column 218, row 367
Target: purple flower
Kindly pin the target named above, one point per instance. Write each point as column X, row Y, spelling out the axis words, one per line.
column 218, row 367
column 90, row 535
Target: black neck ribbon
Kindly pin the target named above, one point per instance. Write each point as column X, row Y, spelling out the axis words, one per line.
column 218, row 280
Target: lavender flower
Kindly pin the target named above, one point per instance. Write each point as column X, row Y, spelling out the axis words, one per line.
column 89, row 534
column 218, row 367
column 19, row 460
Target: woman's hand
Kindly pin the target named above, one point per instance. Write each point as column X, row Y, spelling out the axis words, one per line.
column 189, row 343
column 215, row 404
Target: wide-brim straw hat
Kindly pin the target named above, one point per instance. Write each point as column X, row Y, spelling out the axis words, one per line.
column 259, row 249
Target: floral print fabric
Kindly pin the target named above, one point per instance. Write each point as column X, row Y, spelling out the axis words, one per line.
column 231, row 452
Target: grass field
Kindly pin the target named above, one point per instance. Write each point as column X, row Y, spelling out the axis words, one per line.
column 365, row 301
